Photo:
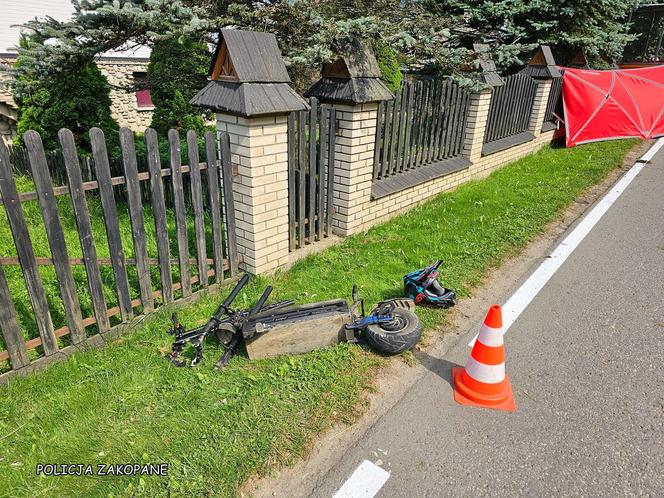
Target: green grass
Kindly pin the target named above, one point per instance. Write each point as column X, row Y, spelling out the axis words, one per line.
column 125, row 403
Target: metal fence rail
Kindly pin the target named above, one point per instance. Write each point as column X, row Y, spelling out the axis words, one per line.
column 424, row 124
column 509, row 113
column 554, row 105
column 311, row 151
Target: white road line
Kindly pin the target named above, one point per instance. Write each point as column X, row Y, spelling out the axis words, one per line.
column 516, row 304
column 365, row 482
column 647, row 157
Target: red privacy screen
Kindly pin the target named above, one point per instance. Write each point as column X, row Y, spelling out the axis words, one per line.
column 621, row 103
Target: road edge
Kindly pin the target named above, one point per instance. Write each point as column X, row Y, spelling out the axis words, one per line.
column 396, row 378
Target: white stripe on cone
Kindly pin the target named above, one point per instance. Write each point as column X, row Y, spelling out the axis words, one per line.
column 489, row 374
column 490, row 336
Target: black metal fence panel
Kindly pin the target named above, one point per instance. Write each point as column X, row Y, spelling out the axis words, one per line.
column 511, row 107
column 311, row 148
column 424, row 124
column 554, row 105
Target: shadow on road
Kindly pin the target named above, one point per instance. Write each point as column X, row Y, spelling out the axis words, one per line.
column 441, row 367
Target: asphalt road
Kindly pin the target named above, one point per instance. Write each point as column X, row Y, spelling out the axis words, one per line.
column 586, row 362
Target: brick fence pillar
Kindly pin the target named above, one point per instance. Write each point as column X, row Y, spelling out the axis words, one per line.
column 259, row 153
column 354, row 152
column 539, row 107
column 478, row 113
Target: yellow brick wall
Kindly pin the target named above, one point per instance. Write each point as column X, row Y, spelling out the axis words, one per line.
column 355, row 211
column 259, row 150
column 259, row 153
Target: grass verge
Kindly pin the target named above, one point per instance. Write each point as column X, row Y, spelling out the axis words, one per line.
column 127, row 404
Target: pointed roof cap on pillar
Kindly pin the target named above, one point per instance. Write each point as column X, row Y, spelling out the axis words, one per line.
column 354, row 77
column 248, row 77
column 489, row 73
column 579, row 60
column 542, row 65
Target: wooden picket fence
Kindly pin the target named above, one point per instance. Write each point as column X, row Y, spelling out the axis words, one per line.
column 216, row 200
column 311, row 154
column 424, row 124
column 509, row 114
column 20, row 161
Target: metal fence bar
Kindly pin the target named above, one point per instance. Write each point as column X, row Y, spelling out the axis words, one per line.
column 313, row 163
column 554, row 103
column 378, row 141
column 396, row 126
column 384, row 166
column 301, row 171
column 398, row 167
column 433, row 114
column 292, row 166
column 511, row 107
column 330, row 170
column 440, row 114
column 322, row 157
column 409, row 126
column 311, row 140
column 419, row 127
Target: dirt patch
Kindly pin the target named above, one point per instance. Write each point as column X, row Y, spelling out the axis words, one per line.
column 394, row 380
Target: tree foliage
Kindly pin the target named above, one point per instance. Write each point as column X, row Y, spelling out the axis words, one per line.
column 388, row 64
column 98, row 26
column 78, row 100
column 178, row 69
column 511, row 28
column 428, row 35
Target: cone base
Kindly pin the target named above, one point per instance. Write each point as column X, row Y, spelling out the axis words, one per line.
column 462, row 395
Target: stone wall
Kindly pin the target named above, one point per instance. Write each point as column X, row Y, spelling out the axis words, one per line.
column 7, row 105
column 120, row 74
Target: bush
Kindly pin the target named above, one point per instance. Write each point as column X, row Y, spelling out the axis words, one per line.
column 177, row 71
column 77, row 100
column 388, row 64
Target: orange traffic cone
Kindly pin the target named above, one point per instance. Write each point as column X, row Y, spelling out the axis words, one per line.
column 483, row 382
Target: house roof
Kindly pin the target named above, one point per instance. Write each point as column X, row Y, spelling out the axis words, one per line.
column 254, row 56
column 350, row 90
column 249, row 99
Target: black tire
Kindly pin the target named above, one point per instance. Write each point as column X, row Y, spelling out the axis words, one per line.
column 397, row 336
